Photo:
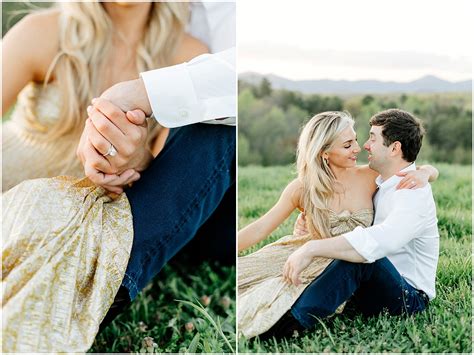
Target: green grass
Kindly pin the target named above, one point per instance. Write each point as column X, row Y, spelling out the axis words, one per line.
column 185, row 309
column 444, row 327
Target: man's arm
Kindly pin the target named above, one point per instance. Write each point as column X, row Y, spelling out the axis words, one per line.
column 203, row 89
column 200, row 90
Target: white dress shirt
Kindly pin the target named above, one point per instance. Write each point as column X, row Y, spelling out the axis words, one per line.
column 205, row 88
column 405, row 230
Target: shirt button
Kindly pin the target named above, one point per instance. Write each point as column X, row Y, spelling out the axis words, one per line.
column 183, row 113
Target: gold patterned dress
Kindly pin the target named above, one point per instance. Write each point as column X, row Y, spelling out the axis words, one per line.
column 65, row 242
column 263, row 296
column 66, row 246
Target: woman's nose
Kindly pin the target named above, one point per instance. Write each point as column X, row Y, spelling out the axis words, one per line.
column 357, row 148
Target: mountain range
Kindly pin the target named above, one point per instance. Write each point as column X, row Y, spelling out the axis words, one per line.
column 426, row 84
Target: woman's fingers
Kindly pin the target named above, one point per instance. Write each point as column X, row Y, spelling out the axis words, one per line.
column 94, row 161
column 107, row 128
column 100, row 143
column 409, row 182
column 117, row 116
column 300, row 226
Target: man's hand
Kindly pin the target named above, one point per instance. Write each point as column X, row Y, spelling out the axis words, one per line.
column 129, row 95
column 297, row 262
column 300, row 226
column 113, row 127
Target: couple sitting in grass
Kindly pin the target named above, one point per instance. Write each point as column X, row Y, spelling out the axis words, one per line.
column 367, row 235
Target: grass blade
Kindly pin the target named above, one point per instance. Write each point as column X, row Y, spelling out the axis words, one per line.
column 202, row 310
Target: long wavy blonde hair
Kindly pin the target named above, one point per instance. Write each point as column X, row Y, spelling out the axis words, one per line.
column 317, row 137
column 85, row 38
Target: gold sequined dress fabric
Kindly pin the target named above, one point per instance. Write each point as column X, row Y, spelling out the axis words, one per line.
column 66, row 246
column 24, row 148
column 263, row 296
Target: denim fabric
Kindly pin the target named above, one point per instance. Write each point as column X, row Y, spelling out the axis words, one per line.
column 181, row 189
column 372, row 288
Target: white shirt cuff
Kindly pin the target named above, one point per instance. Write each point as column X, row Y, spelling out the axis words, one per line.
column 172, row 96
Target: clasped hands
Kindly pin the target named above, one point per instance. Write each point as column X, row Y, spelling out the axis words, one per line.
column 109, row 126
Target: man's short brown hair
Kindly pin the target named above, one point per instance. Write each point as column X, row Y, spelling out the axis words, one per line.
column 403, row 127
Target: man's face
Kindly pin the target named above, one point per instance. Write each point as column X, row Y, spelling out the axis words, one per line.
column 378, row 152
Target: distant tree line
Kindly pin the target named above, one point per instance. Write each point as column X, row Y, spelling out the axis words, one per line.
column 270, row 121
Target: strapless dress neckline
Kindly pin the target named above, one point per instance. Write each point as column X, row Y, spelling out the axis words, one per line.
column 348, row 212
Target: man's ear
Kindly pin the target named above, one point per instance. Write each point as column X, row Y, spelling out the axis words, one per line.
column 396, row 148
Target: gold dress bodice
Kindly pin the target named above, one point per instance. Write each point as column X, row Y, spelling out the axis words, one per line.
column 24, row 148
column 263, row 296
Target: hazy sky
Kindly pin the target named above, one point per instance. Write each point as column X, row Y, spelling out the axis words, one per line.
column 397, row 40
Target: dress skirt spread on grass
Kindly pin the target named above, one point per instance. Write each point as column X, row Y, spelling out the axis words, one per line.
column 66, row 246
column 263, row 296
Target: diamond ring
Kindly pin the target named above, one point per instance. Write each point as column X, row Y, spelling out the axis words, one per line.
column 112, row 151
column 413, row 182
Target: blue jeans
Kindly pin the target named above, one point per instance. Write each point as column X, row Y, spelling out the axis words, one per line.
column 372, row 288
column 187, row 185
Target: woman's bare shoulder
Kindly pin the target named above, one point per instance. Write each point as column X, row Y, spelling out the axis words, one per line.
column 189, row 48
column 36, row 37
column 366, row 171
column 366, row 175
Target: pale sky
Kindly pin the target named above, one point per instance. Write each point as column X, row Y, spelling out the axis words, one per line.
column 399, row 40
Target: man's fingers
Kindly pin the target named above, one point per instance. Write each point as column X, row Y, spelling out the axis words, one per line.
column 125, row 178
column 136, row 117
column 120, row 181
column 96, row 176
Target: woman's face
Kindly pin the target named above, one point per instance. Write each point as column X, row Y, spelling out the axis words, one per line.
column 345, row 150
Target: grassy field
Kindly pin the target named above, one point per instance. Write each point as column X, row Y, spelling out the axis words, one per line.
column 158, row 322
column 444, row 327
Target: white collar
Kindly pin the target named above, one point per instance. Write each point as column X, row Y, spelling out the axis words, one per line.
column 394, row 179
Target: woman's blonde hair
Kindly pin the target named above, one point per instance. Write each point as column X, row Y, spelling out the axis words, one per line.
column 317, row 137
column 85, row 37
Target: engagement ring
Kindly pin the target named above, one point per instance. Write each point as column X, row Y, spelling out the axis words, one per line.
column 112, row 151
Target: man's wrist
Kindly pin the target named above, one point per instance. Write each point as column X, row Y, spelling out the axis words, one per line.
column 145, row 103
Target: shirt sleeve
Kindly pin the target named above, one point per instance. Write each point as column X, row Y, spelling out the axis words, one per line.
column 203, row 89
column 405, row 222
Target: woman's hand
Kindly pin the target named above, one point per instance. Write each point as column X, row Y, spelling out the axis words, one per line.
column 297, row 262
column 414, row 179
